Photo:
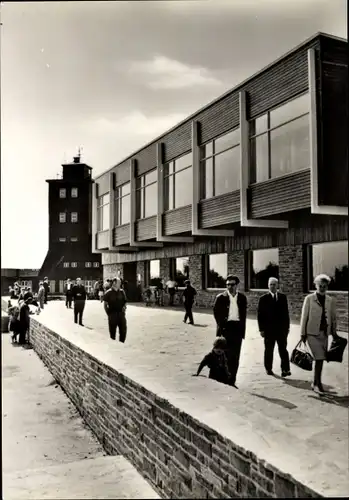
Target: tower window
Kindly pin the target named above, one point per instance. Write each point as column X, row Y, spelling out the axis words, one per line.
column 65, row 264
column 62, row 240
column 62, row 193
column 74, row 264
column 74, row 192
column 96, row 264
column 73, row 239
column 74, row 217
column 62, row 217
column 88, row 264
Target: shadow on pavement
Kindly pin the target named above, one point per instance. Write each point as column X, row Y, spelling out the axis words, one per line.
column 305, row 385
column 333, row 399
column 200, row 326
column 276, row 401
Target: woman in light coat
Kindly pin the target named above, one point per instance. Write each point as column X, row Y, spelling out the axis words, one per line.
column 317, row 322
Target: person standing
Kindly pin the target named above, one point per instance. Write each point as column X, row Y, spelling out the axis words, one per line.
column 115, row 308
column 68, row 290
column 189, row 296
column 171, row 289
column 229, row 310
column 41, row 295
column 24, row 320
column 27, row 293
column 79, row 296
column 47, row 288
column 318, row 320
column 274, row 326
column 100, row 290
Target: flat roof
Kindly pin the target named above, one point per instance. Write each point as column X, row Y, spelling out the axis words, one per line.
column 222, row 96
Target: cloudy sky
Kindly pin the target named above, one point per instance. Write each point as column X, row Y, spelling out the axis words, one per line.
column 110, row 76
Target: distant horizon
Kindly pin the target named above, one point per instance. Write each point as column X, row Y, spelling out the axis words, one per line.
column 112, row 93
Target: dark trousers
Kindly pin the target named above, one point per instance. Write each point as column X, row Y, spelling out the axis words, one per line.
column 22, row 334
column 115, row 320
column 79, row 306
column 68, row 300
column 269, row 344
column 171, row 292
column 234, row 336
column 45, row 296
column 188, row 306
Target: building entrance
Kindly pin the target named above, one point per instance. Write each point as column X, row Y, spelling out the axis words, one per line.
column 130, row 276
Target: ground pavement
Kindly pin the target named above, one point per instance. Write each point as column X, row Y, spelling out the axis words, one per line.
column 47, row 452
column 280, row 420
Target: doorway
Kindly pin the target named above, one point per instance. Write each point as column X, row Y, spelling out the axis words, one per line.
column 130, row 275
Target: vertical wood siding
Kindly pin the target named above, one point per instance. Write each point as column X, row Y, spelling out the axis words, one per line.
column 224, row 209
column 284, row 194
column 177, row 221
column 146, row 229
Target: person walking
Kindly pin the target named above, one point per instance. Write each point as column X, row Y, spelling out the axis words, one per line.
column 171, row 289
column 115, row 308
column 24, row 320
column 47, row 288
column 79, row 296
column 318, row 320
column 68, row 290
column 41, row 295
column 189, row 294
column 274, row 326
column 229, row 310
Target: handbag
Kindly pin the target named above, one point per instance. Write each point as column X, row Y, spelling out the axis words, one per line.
column 302, row 359
column 336, row 350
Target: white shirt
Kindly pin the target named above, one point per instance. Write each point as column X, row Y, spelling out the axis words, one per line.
column 68, row 286
column 233, row 308
column 171, row 284
column 274, row 295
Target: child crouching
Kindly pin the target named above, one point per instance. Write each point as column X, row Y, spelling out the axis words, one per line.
column 216, row 361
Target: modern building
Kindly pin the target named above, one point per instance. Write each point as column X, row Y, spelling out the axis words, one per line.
column 70, row 230
column 254, row 184
column 24, row 277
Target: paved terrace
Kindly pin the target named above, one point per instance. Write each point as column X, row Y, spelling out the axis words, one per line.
column 281, row 421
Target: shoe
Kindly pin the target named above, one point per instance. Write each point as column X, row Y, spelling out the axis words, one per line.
column 191, row 323
column 270, row 372
column 286, row 374
column 318, row 388
column 81, row 324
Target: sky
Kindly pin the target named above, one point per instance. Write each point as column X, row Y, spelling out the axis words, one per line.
column 111, row 76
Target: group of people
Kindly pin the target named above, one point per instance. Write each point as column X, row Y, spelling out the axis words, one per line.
column 318, row 321
column 19, row 314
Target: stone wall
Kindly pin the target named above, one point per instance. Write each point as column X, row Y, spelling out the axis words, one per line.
column 180, row 457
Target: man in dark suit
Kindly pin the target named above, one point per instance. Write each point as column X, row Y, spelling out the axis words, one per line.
column 229, row 310
column 47, row 288
column 79, row 296
column 68, row 289
column 274, row 326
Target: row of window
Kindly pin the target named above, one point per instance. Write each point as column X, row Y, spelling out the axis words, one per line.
column 75, row 264
column 63, row 239
column 73, row 193
column 279, row 145
column 63, row 217
column 329, row 258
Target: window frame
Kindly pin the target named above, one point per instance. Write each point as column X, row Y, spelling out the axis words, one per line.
column 250, row 268
column 72, row 216
column 212, row 157
column 74, row 264
column 88, row 264
column 310, row 287
column 141, row 189
column 61, row 216
column 74, row 239
column 173, row 270
column 66, row 264
column 206, row 269
column 100, row 207
column 96, row 264
column 62, row 239
column 173, row 175
column 267, row 132
column 118, row 204
column 62, row 191
column 73, row 190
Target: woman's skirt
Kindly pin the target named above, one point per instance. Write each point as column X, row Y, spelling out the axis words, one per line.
column 318, row 345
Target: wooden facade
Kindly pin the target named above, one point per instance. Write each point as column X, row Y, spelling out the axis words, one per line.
column 267, row 201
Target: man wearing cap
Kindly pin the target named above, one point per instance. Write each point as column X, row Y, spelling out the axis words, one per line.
column 79, row 296
column 230, row 310
column 274, row 326
column 115, row 308
column 188, row 296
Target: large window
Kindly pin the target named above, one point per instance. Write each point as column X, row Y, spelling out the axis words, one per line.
column 147, row 195
column 178, row 182
column 122, row 204
column 103, row 215
column 264, row 264
column 216, row 270
column 220, row 165
column 180, row 270
column 331, row 259
column 152, row 273
column 279, row 141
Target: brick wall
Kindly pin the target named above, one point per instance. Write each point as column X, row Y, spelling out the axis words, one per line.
column 180, row 457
